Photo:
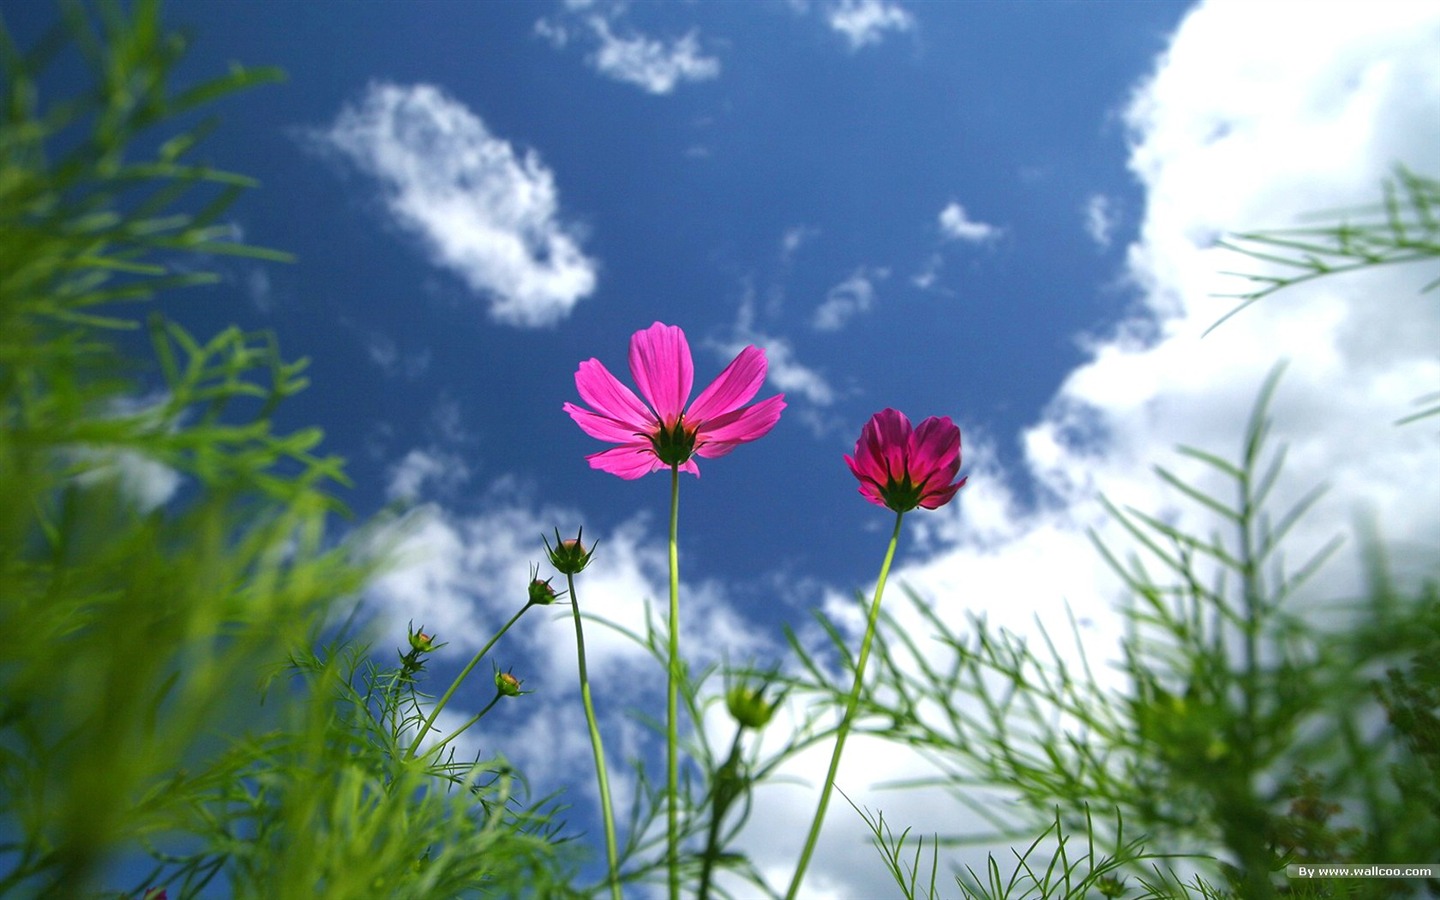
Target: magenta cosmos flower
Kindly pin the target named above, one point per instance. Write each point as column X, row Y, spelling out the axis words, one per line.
column 902, row 468
column 661, row 432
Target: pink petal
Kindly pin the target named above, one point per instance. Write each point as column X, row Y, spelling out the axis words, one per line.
column 935, row 451
column 630, row 462
column 732, row 388
column 937, row 499
column 663, row 369
column 891, row 438
column 880, row 452
column 719, row 436
column 863, row 470
column 603, row 427
column 607, row 396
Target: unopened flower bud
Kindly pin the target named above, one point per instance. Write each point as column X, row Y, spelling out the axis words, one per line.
column 748, row 706
column 541, row 593
column 569, row 557
column 422, row 642
column 507, row 684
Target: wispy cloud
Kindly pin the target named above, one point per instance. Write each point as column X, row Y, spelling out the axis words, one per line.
column 847, row 299
column 427, row 473
column 482, row 209
column 385, row 353
column 655, row 66
column 865, row 22
column 794, row 238
column 956, row 224
column 1101, row 218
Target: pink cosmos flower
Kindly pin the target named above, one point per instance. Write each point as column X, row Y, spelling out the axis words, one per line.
column 661, row 432
column 901, row 468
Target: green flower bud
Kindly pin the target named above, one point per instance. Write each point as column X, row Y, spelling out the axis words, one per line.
column 748, row 706
column 569, row 557
column 507, row 684
column 421, row 642
column 541, row 593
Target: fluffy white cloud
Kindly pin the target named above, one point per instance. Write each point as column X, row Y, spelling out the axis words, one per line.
column 956, row 224
column 847, row 299
column 1228, row 135
column 483, row 210
column 865, row 22
column 653, row 65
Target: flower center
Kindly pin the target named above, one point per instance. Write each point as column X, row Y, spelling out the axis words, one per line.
column 674, row 444
column 902, row 495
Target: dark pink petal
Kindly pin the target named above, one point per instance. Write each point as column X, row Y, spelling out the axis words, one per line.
column 732, row 388
column 872, row 493
column 663, row 369
column 607, row 396
column 603, row 427
column 892, row 440
column 937, row 499
column 935, row 451
column 863, row 470
column 738, row 427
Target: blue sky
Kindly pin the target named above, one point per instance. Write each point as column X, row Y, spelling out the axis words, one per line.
column 901, row 207
column 1000, row 212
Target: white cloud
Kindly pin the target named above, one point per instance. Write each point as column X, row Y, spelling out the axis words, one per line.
column 145, row 482
column 1227, row 136
column 957, row 225
column 410, row 477
column 653, row 65
column 786, row 372
column 385, row 353
column 483, row 210
column 864, row 22
column 929, row 274
column 141, row 479
column 850, row 297
column 794, row 238
column 1101, row 219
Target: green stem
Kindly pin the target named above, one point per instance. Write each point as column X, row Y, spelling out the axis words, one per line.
column 672, row 690
column 851, row 703
column 461, row 730
column 611, row 853
column 430, row 721
column 724, row 791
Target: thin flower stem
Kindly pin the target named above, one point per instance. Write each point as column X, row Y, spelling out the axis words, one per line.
column 440, row 745
column 611, row 853
column 724, row 793
column 850, row 705
column 672, row 703
column 455, row 685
